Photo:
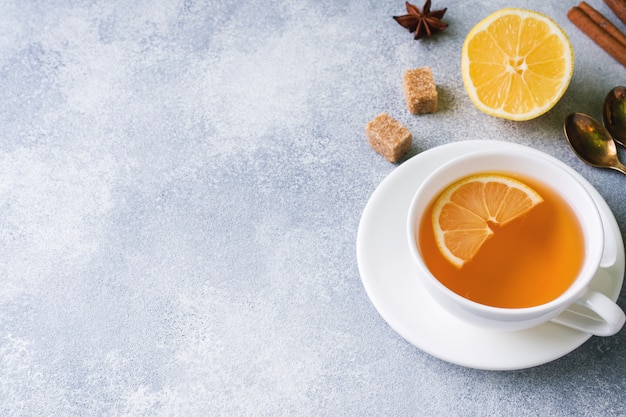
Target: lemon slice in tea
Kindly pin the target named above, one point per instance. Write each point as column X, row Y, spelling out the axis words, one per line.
column 464, row 210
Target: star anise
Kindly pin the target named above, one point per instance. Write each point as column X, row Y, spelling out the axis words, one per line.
column 424, row 23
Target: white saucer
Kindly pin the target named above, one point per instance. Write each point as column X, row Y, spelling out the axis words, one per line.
column 387, row 272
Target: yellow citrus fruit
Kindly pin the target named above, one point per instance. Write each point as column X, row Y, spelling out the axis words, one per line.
column 464, row 211
column 516, row 64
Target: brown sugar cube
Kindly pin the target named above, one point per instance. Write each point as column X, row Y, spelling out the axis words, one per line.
column 388, row 137
column 420, row 90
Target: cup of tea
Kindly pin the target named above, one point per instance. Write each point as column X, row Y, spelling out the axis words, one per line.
column 508, row 240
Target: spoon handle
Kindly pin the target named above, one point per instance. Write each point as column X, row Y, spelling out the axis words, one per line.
column 620, row 167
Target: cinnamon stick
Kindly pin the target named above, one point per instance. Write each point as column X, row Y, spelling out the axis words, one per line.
column 597, row 34
column 603, row 22
column 618, row 7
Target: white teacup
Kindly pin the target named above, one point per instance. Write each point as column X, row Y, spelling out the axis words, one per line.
column 542, row 168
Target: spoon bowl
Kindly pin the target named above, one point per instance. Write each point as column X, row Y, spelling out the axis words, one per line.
column 592, row 142
column 614, row 114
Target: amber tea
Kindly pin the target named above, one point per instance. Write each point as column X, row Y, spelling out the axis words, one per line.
column 527, row 262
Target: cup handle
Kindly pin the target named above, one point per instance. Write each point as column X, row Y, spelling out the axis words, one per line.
column 609, row 316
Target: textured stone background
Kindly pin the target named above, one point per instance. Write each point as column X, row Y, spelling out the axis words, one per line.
column 181, row 184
